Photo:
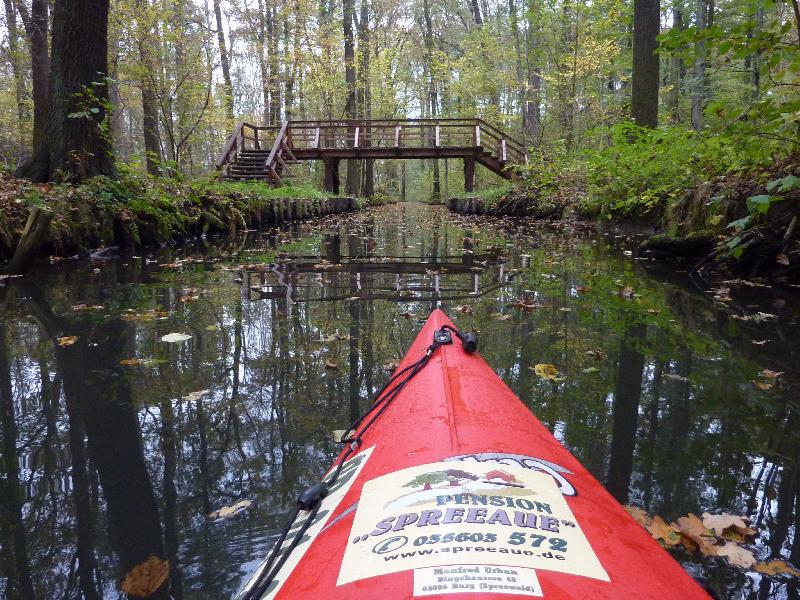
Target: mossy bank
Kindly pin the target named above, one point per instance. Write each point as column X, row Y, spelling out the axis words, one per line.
column 136, row 212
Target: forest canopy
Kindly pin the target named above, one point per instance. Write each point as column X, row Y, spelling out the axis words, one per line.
column 564, row 75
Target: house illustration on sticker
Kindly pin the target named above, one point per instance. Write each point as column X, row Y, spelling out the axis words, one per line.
column 499, row 477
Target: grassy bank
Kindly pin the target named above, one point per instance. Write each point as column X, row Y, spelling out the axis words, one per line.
column 138, row 211
column 729, row 201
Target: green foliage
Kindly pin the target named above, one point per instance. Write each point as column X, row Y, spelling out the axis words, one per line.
column 641, row 171
column 491, row 195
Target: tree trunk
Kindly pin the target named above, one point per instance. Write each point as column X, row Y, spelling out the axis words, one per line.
column 76, row 140
column 274, row 66
column 675, row 69
column 625, row 413
column 152, row 137
column 645, row 79
column 21, row 583
column 532, row 115
column 263, row 66
column 433, row 100
column 16, row 70
column 348, row 9
column 36, row 27
column 699, row 93
column 368, row 180
column 226, row 64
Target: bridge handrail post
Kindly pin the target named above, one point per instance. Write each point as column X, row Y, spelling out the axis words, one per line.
column 437, row 140
column 355, row 139
column 317, row 139
column 397, row 133
column 477, row 135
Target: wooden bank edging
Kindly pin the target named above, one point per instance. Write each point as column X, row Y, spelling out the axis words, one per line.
column 283, row 210
column 466, row 206
column 38, row 239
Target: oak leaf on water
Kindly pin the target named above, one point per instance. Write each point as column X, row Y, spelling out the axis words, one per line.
column 661, row 530
column 736, row 555
column 726, row 523
column 638, row 514
column 696, row 535
column 145, row 578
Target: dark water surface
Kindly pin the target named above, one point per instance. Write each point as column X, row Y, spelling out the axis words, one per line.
column 121, row 445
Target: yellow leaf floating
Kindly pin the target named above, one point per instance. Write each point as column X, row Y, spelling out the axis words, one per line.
column 145, row 578
column 229, row 511
column 776, row 567
column 546, row 371
column 67, row 340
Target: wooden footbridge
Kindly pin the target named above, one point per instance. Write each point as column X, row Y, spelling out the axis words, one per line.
column 265, row 153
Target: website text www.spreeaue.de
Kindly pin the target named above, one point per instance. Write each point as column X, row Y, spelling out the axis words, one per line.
column 475, row 550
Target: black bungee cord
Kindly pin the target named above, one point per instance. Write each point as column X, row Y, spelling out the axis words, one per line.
column 311, row 499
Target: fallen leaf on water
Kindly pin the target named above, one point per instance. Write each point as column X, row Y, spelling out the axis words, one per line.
column 589, row 370
column 638, row 514
column 229, row 511
column 500, row 317
column 191, row 397
column 782, row 259
column 759, row 342
column 212, row 328
column 583, row 289
column 661, row 530
column 338, row 434
column 692, row 528
column 464, row 309
column 626, row 292
column 595, row 354
column 175, row 338
column 390, row 366
column 762, row 386
column 674, row 377
column 67, row 340
column 736, row 555
column 771, row 374
column 329, row 364
column 776, row 567
column 546, row 371
column 722, row 522
column 130, row 361
column 145, row 578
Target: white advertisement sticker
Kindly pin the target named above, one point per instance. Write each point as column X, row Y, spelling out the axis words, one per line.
column 482, row 579
column 465, row 513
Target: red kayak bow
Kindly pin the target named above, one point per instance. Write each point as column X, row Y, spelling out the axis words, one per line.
column 458, row 492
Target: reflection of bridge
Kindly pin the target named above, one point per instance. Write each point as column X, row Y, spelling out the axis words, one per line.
column 384, row 278
column 253, row 152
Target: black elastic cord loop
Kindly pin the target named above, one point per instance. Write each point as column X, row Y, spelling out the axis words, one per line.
column 379, row 406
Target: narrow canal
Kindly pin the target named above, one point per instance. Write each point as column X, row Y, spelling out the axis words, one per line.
column 142, row 394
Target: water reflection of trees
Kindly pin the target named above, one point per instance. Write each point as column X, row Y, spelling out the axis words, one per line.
column 115, row 464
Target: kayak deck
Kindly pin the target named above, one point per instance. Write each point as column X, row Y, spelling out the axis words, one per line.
column 457, row 461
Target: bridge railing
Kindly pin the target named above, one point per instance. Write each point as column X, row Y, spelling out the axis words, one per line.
column 245, row 137
column 407, row 134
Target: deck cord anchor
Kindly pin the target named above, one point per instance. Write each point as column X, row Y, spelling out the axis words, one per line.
column 311, row 499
